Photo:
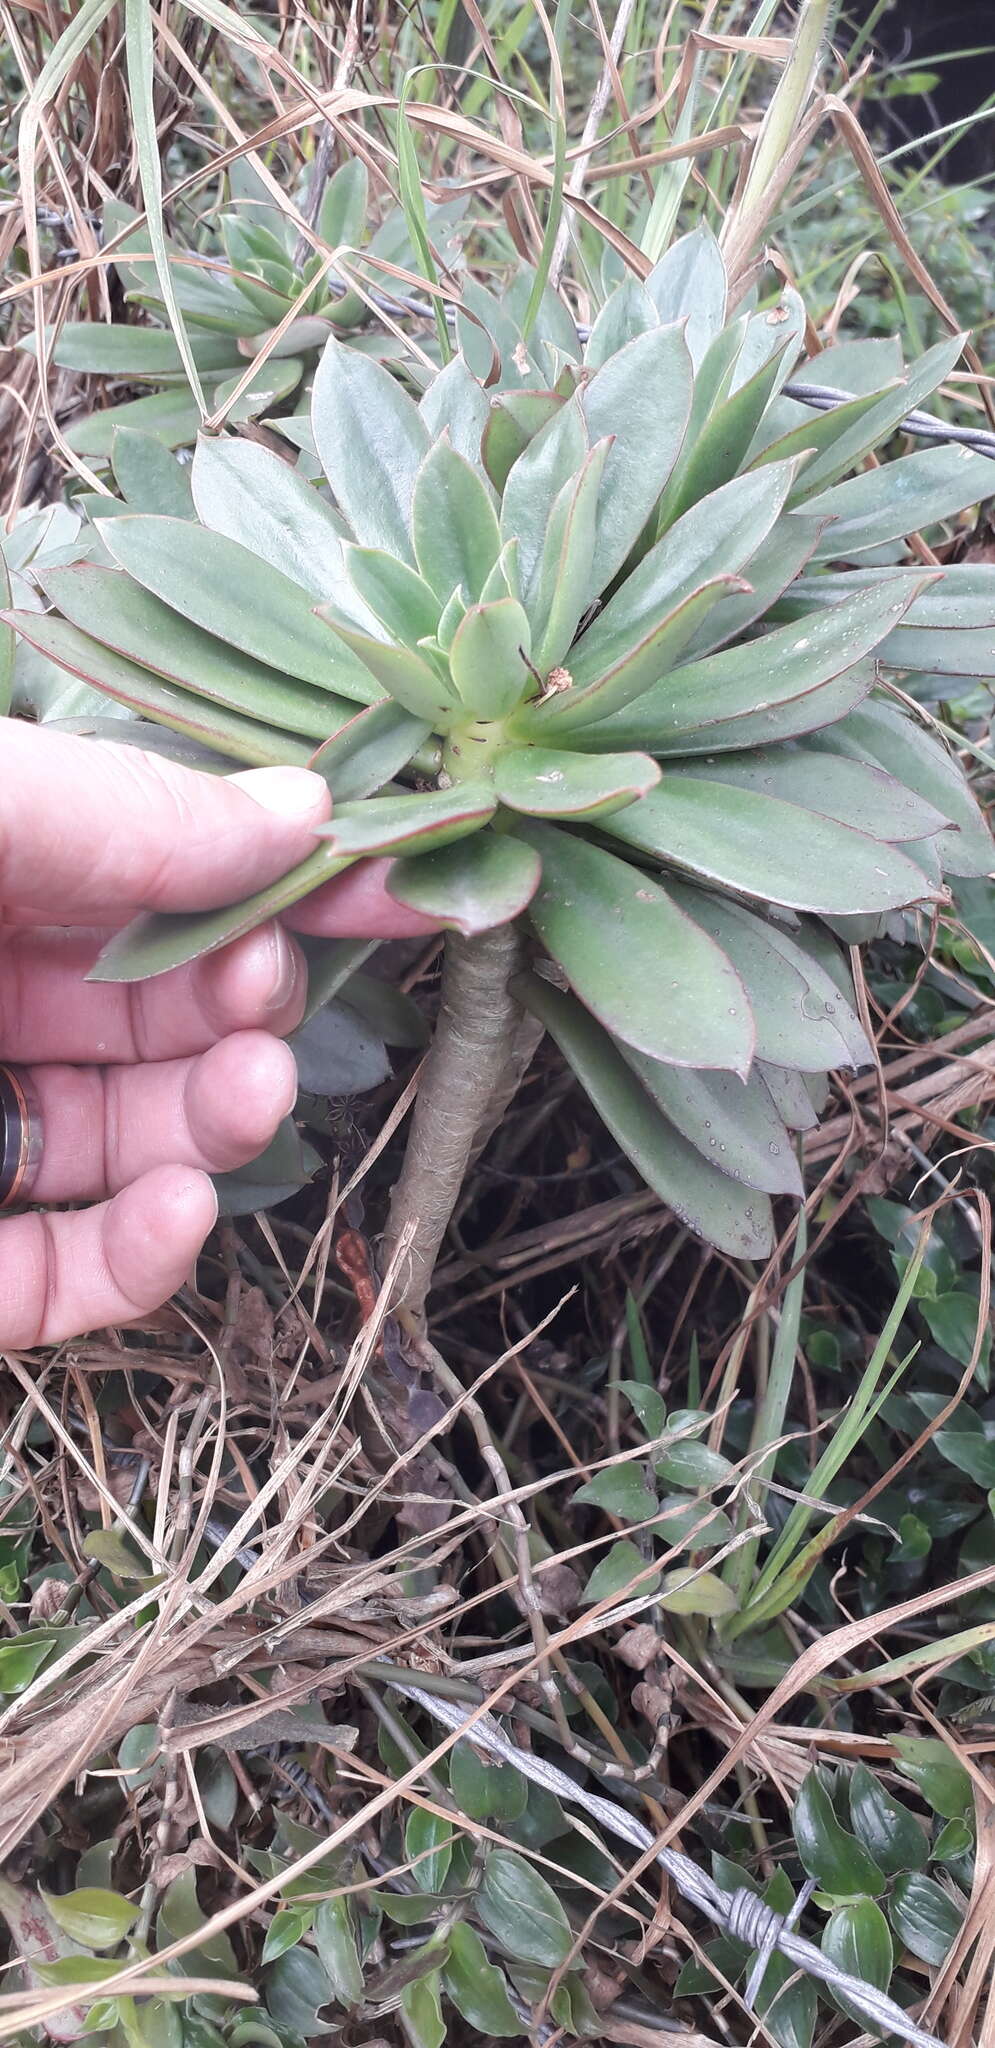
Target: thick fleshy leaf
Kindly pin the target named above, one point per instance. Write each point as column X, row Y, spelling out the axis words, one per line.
column 802, row 1020
column 563, row 586
column 548, row 461
column 712, row 456
column 513, row 420
column 162, row 939
column 399, row 824
column 642, row 398
column 454, row 526
column 454, row 401
column 219, row 585
column 789, row 1095
column 149, row 477
column 750, row 681
column 571, row 710
column 371, row 440
column 404, row 675
column 716, row 538
column 776, row 564
column 881, row 732
column 273, row 382
column 488, row 657
column 93, row 348
column 628, row 311
column 547, row 783
column 170, row 415
column 949, row 629
column 731, row 1122
column 765, row 847
column 736, row 1219
column 898, row 498
column 853, row 792
column 368, row 750
column 472, row 885
column 225, row 731
column 662, row 986
column 689, row 283
column 248, row 493
column 111, row 608
column 848, row 444
column 395, row 594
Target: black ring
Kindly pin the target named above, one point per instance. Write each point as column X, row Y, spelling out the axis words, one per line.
column 20, row 1136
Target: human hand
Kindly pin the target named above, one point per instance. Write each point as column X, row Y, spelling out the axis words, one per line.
column 146, row 1089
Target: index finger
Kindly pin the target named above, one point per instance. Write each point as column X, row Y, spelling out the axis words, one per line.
column 88, row 827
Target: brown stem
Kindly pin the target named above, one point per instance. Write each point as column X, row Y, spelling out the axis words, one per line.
column 465, row 1066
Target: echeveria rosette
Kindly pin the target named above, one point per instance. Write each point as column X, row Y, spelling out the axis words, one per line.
column 235, row 291
column 575, row 659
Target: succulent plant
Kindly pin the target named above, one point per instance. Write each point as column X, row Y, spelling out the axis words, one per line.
column 232, row 294
column 596, row 642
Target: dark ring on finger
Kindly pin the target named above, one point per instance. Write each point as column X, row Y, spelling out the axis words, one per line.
column 20, row 1136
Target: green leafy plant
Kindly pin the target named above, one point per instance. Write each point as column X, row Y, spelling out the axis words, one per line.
column 234, row 286
column 591, row 652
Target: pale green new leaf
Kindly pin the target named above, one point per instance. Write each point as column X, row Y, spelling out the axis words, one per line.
column 454, row 525
column 371, row 440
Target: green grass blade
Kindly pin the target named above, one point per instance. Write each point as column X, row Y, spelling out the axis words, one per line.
column 140, row 57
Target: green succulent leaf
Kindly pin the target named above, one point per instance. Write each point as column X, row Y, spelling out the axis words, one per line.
column 251, row 495
column 852, row 792
column 715, row 1207
column 727, row 699
column 94, row 349
column 170, row 415
column 641, row 397
column 398, row 824
column 219, row 585
column 344, row 205
column 371, row 440
column 548, row 462
column 159, row 940
column 732, row 1122
column 689, row 283
column 368, row 750
column 513, row 421
column 227, row 732
column 766, row 847
column 149, row 477
column 488, row 658
column 694, row 1013
column 897, row 498
column 395, row 594
column 454, row 402
column 403, row 674
column 544, row 782
column 454, row 524
column 563, row 585
column 470, row 886
column 802, row 1018
column 633, row 673
column 110, row 607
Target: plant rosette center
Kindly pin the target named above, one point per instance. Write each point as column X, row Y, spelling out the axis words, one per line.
column 472, row 751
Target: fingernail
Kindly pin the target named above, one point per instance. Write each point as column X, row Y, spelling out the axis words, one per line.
column 292, row 793
column 285, row 963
